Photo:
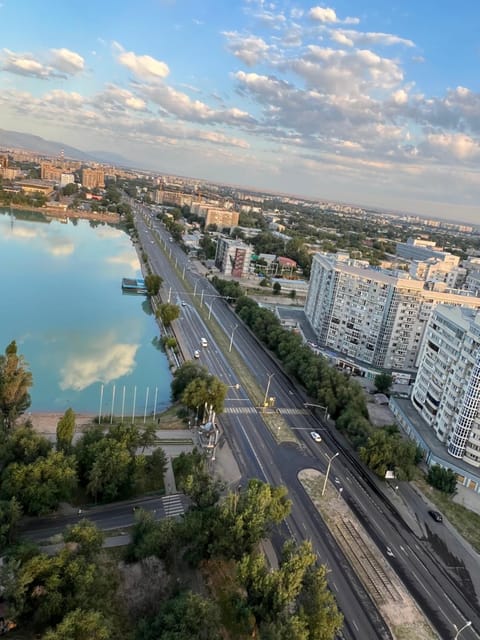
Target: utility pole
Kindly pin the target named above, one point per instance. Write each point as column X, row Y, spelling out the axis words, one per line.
column 328, row 472
column 270, row 376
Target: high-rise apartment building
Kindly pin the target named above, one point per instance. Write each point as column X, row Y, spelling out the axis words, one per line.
column 373, row 317
column 93, row 178
column 446, row 392
column 233, row 257
column 50, row 172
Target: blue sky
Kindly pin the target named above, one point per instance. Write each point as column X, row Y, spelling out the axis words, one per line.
column 366, row 101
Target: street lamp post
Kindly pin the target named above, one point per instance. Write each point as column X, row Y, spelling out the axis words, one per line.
column 231, row 337
column 270, row 376
column 459, row 631
column 328, row 472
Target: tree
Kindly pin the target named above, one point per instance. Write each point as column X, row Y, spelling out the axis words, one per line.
column 292, row 294
column 383, row 382
column 65, row 430
column 168, row 313
column 112, row 471
column 248, row 516
column 10, row 514
column 70, row 189
column 277, row 287
column 201, row 393
column 15, row 383
column 442, row 479
column 153, row 283
column 23, row 445
column 81, row 625
column 88, row 540
column 42, row 484
column 187, row 616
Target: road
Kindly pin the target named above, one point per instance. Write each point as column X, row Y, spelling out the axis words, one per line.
column 447, row 599
column 444, row 597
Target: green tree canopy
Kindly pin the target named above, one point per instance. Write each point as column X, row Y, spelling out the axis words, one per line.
column 65, row 430
column 40, row 485
column 444, row 480
column 153, row 282
column 81, row 625
column 168, row 313
column 187, row 616
column 182, row 377
column 383, row 382
column 15, row 383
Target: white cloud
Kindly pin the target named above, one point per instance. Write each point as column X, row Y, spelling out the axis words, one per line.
column 327, row 15
column 143, row 66
column 61, row 63
column 67, row 61
column 249, row 49
column 25, row 65
column 350, row 37
column 104, row 362
column 457, row 145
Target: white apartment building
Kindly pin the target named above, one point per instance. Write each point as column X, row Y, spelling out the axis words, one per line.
column 446, row 392
column 233, row 257
column 375, row 317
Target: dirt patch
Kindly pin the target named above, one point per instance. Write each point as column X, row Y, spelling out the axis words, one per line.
column 340, row 520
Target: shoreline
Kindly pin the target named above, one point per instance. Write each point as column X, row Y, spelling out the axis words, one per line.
column 53, row 212
column 46, row 421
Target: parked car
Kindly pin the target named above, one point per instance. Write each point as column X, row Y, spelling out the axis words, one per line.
column 316, row 436
column 436, row 515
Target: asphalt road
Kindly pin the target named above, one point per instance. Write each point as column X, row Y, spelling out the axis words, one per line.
column 447, row 598
column 443, row 595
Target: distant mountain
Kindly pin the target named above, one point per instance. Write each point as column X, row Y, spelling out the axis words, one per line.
column 29, row 142
column 110, row 157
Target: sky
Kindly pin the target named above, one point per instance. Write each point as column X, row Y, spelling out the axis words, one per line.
column 368, row 102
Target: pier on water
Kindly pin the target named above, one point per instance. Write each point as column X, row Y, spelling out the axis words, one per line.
column 134, row 285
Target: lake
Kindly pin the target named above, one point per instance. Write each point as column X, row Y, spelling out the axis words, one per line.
column 87, row 344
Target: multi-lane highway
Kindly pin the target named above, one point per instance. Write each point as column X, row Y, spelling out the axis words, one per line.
column 446, row 601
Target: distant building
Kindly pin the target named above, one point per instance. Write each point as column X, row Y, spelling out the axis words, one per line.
column 419, row 249
column 36, row 186
column 50, row 172
column 9, row 173
column 66, row 178
column 222, row 218
column 93, row 178
column 233, row 257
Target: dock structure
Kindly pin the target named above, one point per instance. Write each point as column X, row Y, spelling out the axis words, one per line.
column 134, row 285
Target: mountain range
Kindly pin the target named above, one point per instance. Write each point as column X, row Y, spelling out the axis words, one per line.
column 29, row 142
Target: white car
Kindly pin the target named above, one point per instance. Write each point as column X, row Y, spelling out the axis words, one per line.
column 204, row 342
column 196, row 354
column 316, row 436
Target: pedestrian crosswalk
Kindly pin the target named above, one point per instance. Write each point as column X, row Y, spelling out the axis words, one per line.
column 291, row 411
column 173, row 505
column 240, row 410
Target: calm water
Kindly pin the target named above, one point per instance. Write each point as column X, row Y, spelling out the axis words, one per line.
column 61, row 300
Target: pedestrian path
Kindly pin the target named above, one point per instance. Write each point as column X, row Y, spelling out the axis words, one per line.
column 239, row 410
column 173, row 505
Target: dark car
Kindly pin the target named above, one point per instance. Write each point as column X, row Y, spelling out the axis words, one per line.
column 435, row 515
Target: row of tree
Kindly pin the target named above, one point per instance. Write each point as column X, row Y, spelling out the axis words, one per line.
column 381, row 449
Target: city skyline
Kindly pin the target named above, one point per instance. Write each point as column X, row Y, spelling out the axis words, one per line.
column 347, row 101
